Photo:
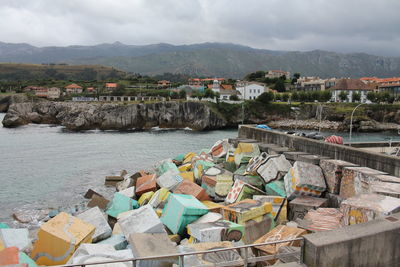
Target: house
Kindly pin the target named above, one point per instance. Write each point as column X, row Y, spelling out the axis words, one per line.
column 163, row 83
column 277, row 74
column 351, row 86
column 90, row 89
column 111, row 86
column 53, row 93
column 42, row 92
column 310, row 84
column 73, row 89
column 200, row 82
column 250, row 90
column 392, row 88
column 225, row 94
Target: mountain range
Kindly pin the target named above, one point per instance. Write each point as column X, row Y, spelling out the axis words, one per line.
column 206, row 59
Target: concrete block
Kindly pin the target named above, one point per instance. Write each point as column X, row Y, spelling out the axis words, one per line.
column 312, row 159
column 159, row 198
column 178, row 159
column 274, row 168
column 216, row 231
column 254, row 180
column 220, row 148
column 334, row 200
column 257, row 227
column 374, row 243
column 366, row 207
column 277, row 150
column 321, row 219
column 387, row 178
column 145, row 198
column 264, row 147
column 141, row 220
column 245, row 210
column 24, row 259
column 9, row 256
column 89, row 194
column 185, row 167
column 209, row 259
column 241, row 191
column 188, row 176
column 294, row 155
column 124, row 184
column 169, row 180
column 256, row 162
column 213, row 207
column 218, row 181
column 356, row 180
column 279, row 206
column 120, row 203
column 153, row 244
column 98, row 201
column 208, row 218
column 95, row 217
column 244, row 152
column 299, row 207
column 190, row 188
column 166, row 166
column 11, row 237
column 129, row 192
column 181, row 210
column 59, row 238
column 304, row 179
column 385, row 188
column 199, row 167
column 333, row 172
column 146, row 184
column 276, row 188
column 117, row 241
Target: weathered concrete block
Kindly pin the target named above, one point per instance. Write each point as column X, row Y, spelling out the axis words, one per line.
column 213, row 207
column 199, row 167
column 385, row 188
column 141, row 220
column 59, row 238
column 387, row 178
column 279, row 206
column 95, row 217
column 321, row 219
column 129, row 192
column 366, row 207
column 159, row 198
column 294, row 155
column 220, row 148
column 9, row 256
column 217, row 182
column 11, row 237
column 334, row 200
column 89, row 253
column 299, row 206
column 190, row 188
column 208, row 218
column 274, row 168
column 124, row 184
column 169, row 179
column 244, row 152
column 276, row 188
column 181, row 210
column 333, row 172
column 166, row 166
column 98, row 201
column 120, row 203
column 153, row 244
column 245, row 210
column 145, row 198
column 254, row 180
column 257, row 227
column 145, row 184
column 89, row 194
column 241, row 191
column 374, row 243
column 118, row 241
column 277, row 150
column 216, row 231
column 356, row 180
column 304, row 179
column 312, row 159
column 188, row 176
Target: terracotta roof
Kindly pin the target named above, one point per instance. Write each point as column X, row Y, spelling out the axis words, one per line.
column 350, row 84
column 73, row 86
column 108, row 85
column 227, row 86
column 389, row 84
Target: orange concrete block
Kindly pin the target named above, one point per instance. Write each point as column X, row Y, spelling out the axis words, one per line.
column 190, row 188
column 146, row 184
column 59, row 238
column 9, row 256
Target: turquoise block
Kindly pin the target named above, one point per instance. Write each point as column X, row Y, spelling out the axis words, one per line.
column 276, row 188
column 23, row 258
column 135, row 204
column 180, row 157
column 119, row 242
column 181, row 210
column 120, row 203
column 4, row 226
column 166, row 165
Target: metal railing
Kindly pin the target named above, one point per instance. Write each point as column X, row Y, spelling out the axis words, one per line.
column 242, row 262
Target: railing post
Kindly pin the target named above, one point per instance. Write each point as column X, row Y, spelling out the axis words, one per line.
column 246, row 255
column 181, row 261
column 134, row 263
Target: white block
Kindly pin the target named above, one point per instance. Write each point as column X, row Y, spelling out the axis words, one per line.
column 97, row 218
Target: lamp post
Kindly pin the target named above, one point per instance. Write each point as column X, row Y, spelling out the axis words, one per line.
column 351, row 121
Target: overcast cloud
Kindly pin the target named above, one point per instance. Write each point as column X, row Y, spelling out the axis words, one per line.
column 333, row 25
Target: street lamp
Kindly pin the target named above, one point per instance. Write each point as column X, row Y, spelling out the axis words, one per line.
column 351, row 121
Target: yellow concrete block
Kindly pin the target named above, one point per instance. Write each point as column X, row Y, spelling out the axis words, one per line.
column 188, row 176
column 159, row 212
column 185, row 167
column 212, row 206
column 188, row 157
column 159, row 198
column 145, row 198
column 59, row 238
column 1, row 245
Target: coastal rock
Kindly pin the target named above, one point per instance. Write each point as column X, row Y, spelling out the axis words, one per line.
column 85, row 116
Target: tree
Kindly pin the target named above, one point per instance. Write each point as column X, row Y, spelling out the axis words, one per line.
column 265, row 97
column 280, row 86
column 303, row 97
column 295, row 96
column 296, row 75
column 285, row 97
column 234, row 98
column 182, row 94
column 356, row 97
column 326, row 95
column 209, row 93
column 371, row 96
column 343, row 96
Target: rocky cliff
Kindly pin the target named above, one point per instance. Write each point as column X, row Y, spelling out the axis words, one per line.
column 84, row 116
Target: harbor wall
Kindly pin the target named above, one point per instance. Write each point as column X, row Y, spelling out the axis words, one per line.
column 381, row 162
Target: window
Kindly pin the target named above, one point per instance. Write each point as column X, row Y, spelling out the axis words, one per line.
column 258, row 90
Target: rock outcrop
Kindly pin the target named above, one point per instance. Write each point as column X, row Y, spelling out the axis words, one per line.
column 85, row 116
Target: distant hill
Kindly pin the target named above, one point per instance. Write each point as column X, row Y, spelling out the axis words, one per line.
column 207, row 59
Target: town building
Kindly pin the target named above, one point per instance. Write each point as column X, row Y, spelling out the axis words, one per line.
column 200, row 82
column 250, row 90
column 351, row 86
column 392, row 88
column 53, row 93
column 277, row 74
column 90, row 89
column 111, row 86
column 73, row 89
column 163, row 83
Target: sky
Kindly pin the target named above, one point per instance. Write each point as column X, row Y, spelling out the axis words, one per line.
column 296, row 25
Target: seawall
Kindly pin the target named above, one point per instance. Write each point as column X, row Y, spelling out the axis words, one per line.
column 385, row 163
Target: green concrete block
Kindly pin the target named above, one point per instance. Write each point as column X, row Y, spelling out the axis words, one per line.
column 120, row 203
column 276, row 188
column 230, row 166
column 164, row 166
column 4, row 226
column 179, row 157
column 181, row 210
column 23, row 258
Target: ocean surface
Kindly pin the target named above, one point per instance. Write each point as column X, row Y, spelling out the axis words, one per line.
column 44, row 166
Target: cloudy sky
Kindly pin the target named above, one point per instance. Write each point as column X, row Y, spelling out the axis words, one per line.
column 334, row 25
